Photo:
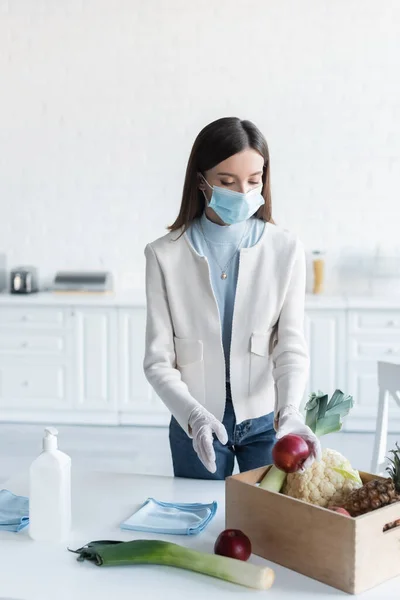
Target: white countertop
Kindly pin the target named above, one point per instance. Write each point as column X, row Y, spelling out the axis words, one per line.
column 366, row 301
column 129, row 299
column 137, row 299
column 35, row 571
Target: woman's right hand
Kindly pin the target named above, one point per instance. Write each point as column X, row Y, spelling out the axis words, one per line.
column 202, row 425
column 291, row 421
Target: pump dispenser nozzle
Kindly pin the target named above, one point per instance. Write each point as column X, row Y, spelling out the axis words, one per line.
column 50, row 439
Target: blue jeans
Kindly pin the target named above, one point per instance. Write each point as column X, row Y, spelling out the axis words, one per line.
column 251, row 442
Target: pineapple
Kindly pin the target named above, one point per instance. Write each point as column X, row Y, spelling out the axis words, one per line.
column 391, row 525
column 376, row 493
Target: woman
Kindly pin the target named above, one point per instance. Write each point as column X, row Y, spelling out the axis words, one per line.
column 225, row 288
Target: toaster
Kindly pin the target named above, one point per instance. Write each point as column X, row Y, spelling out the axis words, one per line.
column 24, row 280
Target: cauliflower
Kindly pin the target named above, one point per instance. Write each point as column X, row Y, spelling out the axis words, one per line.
column 326, row 483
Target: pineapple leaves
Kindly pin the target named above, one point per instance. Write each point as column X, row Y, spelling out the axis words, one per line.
column 326, row 417
column 394, row 468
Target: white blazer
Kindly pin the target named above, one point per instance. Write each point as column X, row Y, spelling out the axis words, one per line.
column 184, row 357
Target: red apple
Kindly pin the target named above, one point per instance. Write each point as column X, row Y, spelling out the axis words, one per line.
column 340, row 510
column 233, row 543
column 290, row 452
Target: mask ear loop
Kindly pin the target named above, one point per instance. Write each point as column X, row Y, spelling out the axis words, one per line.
column 204, row 193
column 205, row 181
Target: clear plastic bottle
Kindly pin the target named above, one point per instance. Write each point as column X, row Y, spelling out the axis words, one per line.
column 50, row 492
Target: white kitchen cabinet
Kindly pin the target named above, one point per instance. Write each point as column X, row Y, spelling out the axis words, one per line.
column 381, row 321
column 41, row 386
column 138, row 403
column 13, row 342
column 96, row 361
column 374, row 335
column 325, row 332
column 363, row 385
column 79, row 359
column 36, row 366
column 33, row 316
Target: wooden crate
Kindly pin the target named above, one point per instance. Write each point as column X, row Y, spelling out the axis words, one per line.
column 349, row 554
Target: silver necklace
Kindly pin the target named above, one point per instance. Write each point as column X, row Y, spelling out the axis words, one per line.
column 224, row 274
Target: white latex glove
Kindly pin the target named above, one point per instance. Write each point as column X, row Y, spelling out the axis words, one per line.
column 203, row 424
column 291, row 421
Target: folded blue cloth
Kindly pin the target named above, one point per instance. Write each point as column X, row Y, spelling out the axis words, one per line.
column 171, row 518
column 14, row 511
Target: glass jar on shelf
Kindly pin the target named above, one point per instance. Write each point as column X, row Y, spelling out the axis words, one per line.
column 318, row 271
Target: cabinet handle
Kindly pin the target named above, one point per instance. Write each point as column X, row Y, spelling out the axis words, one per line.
column 392, row 351
column 392, row 323
column 24, row 318
column 25, row 383
column 24, row 345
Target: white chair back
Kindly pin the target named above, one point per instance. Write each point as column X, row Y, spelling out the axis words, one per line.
column 389, row 387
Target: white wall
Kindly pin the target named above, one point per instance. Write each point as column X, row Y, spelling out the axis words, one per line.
column 100, row 103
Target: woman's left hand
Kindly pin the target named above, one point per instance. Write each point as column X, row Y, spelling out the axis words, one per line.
column 290, row 421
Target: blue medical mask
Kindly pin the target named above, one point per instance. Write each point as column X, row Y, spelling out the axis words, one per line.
column 234, row 207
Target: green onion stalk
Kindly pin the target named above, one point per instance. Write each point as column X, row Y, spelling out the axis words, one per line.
column 157, row 552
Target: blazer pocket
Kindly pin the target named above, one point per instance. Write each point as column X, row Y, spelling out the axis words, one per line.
column 259, row 361
column 188, row 351
column 259, row 344
column 189, row 361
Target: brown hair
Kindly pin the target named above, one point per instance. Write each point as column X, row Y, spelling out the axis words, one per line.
column 215, row 143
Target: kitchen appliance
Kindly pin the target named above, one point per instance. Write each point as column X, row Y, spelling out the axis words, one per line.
column 83, row 281
column 24, row 280
column 3, row 272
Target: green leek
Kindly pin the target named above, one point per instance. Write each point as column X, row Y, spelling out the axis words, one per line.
column 273, row 480
column 156, row 552
column 323, row 417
